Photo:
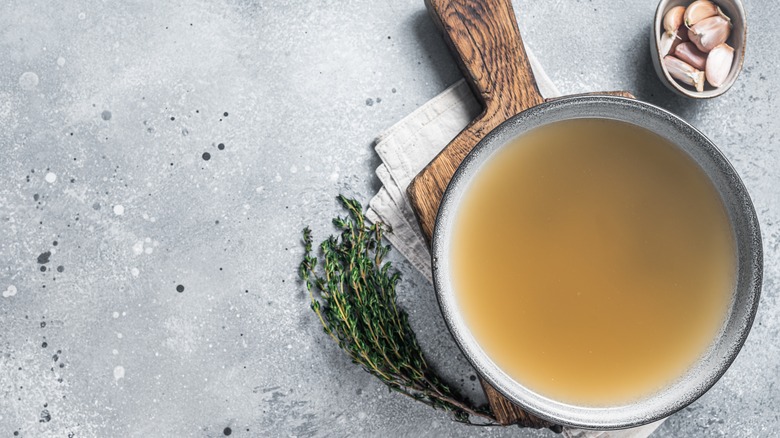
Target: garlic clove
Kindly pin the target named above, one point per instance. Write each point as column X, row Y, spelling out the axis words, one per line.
column 673, row 19
column 689, row 53
column 668, row 43
column 684, row 73
column 699, row 10
column 710, row 32
column 719, row 64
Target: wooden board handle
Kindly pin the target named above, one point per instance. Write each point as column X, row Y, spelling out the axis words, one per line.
column 484, row 36
column 485, row 40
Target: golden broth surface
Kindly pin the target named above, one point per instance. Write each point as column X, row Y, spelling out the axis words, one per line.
column 593, row 261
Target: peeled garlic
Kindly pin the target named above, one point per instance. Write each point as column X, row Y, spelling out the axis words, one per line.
column 719, row 64
column 684, row 72
column 710, row 32
column 699, row 10
column 673, row 19
column 689, row 53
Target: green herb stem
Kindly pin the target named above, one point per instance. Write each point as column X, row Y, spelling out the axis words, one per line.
column 354, row 298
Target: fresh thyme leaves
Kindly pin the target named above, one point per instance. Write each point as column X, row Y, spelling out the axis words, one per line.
column 354, row 297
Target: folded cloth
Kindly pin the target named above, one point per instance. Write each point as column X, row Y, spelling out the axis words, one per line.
column 406, row 148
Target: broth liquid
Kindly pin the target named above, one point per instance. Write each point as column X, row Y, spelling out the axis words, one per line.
column 593, row 261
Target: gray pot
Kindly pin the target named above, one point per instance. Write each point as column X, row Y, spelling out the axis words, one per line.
column 711, row 366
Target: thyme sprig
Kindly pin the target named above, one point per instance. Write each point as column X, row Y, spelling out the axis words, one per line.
column 354, row 297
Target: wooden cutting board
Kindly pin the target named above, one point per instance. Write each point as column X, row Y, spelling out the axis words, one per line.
column 485, row 40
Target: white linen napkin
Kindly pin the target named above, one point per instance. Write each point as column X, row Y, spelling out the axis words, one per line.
column 406, row 148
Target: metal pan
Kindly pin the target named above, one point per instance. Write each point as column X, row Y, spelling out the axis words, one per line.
column 710, row 367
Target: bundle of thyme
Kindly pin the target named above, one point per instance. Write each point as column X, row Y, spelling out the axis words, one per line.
column 355, row 299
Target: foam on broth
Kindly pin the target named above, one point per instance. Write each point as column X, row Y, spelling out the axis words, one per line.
column 593, row 261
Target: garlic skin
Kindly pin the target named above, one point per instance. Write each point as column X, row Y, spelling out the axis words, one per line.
column 719, row 64
column 710, row 32
column 684, row 72
column 668, row 43
column 673, row 19
column 688, row 52
column 699, row 10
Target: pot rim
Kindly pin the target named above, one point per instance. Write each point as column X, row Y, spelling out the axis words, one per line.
column 713, row 364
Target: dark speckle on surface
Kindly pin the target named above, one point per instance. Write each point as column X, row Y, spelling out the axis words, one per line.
column 221, row 146
column 60, row 268
column 225, row 114
column 45, row 416
column 44, row 257
column 106, row 115
column 206, row 156
column 369, row 102
column 180, row 288
column 227, row 431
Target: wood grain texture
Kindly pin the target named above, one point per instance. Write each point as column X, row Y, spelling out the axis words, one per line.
column 508, row 413
column 484, row 37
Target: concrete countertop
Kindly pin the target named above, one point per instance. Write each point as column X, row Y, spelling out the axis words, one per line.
column 108, row 111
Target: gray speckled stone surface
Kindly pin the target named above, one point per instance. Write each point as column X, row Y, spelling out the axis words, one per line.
column 106, row 110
